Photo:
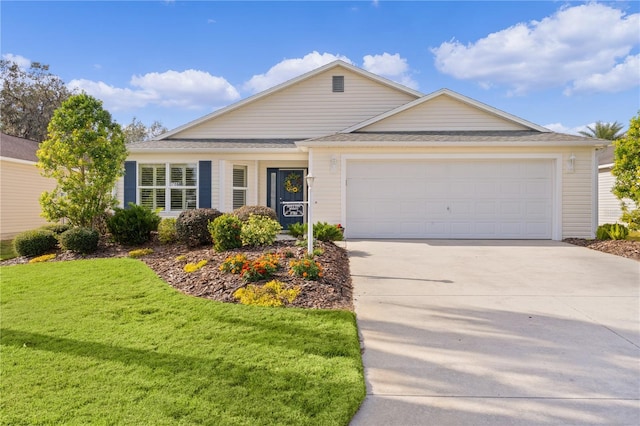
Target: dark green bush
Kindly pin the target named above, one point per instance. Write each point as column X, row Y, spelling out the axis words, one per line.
column 79, row 240
column 243, row 213
column 167, row 233
column 34, row 243
column 192, row 226
column 298, row 230
column 612, row 231
column 226, row 232
column 323, row 231
column 133, row 225
column 56, row 228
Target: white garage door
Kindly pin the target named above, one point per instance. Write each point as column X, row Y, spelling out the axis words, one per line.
column 488, row 199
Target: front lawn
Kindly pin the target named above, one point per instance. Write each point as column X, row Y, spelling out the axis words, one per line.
column 6, row 250
column 105, row 341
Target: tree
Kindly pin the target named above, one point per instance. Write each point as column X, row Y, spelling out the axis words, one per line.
column 626, row 169
column 85, row 153
column 28, row 99
column 136, row 131
column 608, row 131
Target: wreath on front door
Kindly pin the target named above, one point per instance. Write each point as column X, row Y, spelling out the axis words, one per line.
column 293, row 183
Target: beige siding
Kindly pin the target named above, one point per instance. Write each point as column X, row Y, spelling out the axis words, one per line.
column 609, row 210
column 306, row 109
column 21, row 185
column 442, row 113
column 577, row 195
column 577, row 189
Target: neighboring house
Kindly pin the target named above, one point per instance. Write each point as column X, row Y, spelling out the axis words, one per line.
column 388, row 162
column 20, row 186
column 609, row 209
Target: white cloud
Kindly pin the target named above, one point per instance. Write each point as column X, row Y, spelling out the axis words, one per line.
column 20, row 60
column 391, row 66
column 560, row 128
column 290, row 68
column 189, row 89
column 572, row 46
column 621, row 77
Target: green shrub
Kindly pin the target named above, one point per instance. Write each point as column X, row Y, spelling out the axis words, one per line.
column 244, row 213
column 272, row 293
column 34, row 243
column 225, row 232
column 79, row 240
column 192, row 226
column 306, row 268
column 631, row 217
column 259, row 231
column 167, row 233
column 133, row 225
column 612, row 231
column 325, row 232
column 56, row 228
column 298, row 230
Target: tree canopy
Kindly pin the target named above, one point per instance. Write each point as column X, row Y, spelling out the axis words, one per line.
column 85, row 152
column 28, row 99
column 136, row 130
column 626, row 169
column 608, row 131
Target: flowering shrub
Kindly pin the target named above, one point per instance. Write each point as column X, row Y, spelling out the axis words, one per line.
column 259, row 231
column 43, row 258
column 225, row 232
column 234, row 264
column 261, row 268
column 192, row 267
column 270, row 294
column 140, row 252
column 306, row 268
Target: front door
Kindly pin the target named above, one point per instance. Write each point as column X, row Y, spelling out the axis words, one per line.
column 285, row 188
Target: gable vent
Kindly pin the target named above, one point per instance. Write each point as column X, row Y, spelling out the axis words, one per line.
column 338, row 83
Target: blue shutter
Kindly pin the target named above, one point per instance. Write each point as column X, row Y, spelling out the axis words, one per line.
column 204, row 185
column 129, row 183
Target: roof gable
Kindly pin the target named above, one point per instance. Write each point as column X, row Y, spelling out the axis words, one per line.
column 18, row 148
column 444, row 110
column 302, row 107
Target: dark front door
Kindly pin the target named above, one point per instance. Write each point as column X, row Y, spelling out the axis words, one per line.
column 285, row 189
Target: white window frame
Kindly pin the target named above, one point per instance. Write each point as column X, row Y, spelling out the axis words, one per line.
column 169, row 186
column 243, row 189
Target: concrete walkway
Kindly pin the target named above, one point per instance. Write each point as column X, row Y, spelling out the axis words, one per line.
column 496, row 333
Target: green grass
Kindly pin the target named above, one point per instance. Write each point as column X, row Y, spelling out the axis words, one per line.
column 107, row 342
column 6, row 250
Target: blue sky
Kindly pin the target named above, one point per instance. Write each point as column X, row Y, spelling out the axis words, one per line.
column 559, row 64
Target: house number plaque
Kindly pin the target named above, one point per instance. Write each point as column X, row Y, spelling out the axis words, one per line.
column 293, row 209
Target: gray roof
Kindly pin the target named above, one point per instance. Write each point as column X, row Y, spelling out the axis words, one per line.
column 18, row 148
column 605, row 156
column 453, row 137
column 213, row 144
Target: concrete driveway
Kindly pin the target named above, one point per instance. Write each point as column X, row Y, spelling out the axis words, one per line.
column 496, row 333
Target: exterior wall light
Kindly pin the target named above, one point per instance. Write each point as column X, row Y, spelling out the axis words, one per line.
column 572, row 163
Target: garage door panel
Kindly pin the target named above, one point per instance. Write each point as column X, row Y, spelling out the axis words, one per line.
column 450, row 199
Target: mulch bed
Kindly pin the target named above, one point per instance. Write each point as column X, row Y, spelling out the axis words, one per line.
column 332, row 291
column 624, row 248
